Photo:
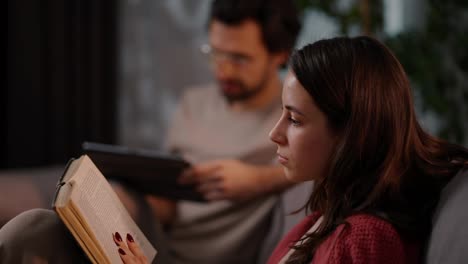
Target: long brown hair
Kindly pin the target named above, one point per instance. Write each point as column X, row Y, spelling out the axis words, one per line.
column 384, row 164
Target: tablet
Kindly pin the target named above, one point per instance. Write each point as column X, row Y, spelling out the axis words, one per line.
column 146, row 171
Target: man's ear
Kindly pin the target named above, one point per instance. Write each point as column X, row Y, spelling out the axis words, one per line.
column 280, row 58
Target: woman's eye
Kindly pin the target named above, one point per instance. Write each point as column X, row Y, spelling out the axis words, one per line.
column 293, row 121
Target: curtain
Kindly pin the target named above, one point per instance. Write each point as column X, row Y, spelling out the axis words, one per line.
column 61, row 79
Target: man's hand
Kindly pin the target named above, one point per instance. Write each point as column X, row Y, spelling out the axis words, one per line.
column 228, row 179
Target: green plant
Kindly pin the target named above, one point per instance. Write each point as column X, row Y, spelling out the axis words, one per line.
column 436, row 60
column 435, row 56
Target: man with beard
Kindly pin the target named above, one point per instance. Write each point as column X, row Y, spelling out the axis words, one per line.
column 223, row 130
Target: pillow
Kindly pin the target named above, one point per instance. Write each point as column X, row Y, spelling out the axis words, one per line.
column 448, row 242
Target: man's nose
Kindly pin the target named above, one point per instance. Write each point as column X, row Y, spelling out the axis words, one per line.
column 223, row 69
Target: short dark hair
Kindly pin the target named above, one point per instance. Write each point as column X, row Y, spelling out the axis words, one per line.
column 278, row 19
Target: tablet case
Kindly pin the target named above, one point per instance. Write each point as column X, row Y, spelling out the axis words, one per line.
column 143, row 170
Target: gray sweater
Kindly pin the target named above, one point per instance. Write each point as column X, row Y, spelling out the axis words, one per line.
column 205, row 128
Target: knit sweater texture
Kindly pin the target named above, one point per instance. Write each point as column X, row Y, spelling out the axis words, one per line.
column 365, row 239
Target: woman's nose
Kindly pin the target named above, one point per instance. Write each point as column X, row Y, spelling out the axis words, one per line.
column 276, row 134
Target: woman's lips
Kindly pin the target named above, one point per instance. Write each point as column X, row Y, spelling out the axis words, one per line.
column 282, row 159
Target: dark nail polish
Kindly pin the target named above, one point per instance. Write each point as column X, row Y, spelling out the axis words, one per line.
column 122, row 252
column 130, row 238
column 117, row 244
column 118, row 237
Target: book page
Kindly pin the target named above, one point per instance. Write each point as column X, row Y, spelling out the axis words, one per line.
column 82, row 236
column 93, row 198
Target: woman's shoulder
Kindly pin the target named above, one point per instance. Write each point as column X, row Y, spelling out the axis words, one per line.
column 292, row 237
column 370, row 231
column 302, row 227
column 366, row 238
column 362, row 224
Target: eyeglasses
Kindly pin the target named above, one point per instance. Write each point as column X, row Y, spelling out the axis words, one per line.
column 216, row 57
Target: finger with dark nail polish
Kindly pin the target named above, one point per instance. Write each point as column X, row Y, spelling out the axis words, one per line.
column 122, row 252
column 130, row 238
column 118, row 237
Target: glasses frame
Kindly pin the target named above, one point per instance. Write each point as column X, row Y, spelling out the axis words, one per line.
column 217, row 57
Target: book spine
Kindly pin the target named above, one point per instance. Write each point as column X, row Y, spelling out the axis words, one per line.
column 60, row 182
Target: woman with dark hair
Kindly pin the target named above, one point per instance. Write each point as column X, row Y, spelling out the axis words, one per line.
column 349, row 125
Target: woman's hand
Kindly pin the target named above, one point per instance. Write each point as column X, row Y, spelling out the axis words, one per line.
column 129, row 251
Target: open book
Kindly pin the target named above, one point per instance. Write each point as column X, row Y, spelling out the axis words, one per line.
column 92, row 212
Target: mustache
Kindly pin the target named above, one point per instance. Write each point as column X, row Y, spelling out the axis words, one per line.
column 232, row 82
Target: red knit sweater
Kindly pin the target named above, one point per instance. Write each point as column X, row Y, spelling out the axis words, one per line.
column 367, row 239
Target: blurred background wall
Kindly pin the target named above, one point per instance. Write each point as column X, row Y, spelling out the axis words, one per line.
column 112, row 71
column 160, row 57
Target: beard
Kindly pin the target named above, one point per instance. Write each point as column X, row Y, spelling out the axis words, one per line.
column 235, row 90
